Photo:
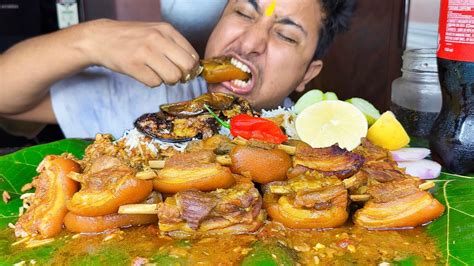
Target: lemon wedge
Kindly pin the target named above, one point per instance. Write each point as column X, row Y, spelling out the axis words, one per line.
column 388, row 133
column 329, row 122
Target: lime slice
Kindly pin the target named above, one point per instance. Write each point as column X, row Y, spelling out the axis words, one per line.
column 329, row 122
column 309, row 98
column 370, row 112
column 330, row 96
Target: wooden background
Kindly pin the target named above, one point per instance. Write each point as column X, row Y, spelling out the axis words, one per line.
column 364, row 61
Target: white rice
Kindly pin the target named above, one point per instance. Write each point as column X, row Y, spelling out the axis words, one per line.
column 133, row 138
column 289, row 117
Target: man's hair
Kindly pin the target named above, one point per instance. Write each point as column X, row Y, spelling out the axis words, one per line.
column 336, row 19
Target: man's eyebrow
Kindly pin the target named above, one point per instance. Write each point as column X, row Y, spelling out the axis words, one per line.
column 255, row 5
column 288, row 21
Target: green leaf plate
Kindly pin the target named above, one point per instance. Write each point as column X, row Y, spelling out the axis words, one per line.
column 454, row 231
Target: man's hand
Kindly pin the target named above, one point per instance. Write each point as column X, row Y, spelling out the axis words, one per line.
column 149, row 52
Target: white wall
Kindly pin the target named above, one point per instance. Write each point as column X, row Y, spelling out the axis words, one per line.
column 423, row 24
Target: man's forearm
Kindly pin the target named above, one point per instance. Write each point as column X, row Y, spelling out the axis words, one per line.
column 28, row 69
column 149, row 52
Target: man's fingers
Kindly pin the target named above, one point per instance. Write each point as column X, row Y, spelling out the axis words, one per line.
column 175, row 36
column 146, row 75
column 181, row 58
column 165, row 68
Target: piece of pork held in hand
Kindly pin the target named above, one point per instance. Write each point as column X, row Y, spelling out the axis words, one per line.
column 194, row 213
column 307, row 202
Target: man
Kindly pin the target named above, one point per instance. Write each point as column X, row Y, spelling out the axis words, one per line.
column 281, row 42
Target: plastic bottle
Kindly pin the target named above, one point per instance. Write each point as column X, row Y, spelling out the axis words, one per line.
column 452, row 135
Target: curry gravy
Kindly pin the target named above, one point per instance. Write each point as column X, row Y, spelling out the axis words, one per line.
column 347, row 245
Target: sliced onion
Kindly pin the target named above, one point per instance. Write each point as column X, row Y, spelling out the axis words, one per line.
column 424, row 169
column 410, row 154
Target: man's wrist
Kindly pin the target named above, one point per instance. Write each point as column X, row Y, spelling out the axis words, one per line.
column 82, row 42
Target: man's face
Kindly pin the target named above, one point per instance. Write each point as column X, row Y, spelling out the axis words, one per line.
column 276, row 46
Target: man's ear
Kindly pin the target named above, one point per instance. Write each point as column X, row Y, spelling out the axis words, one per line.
column 313, row 70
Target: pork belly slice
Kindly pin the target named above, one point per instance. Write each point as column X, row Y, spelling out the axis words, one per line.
column 371, row 152
column 330, row 161
column 408, row 211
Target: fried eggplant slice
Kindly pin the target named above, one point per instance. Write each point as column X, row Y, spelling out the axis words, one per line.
column 193, row 170
column 330, row 161
column 185, row 121
column 216, row 101
column 107, row 185
column 44, row 218
column 307, row 202
column 171, row 129
column 194, row 213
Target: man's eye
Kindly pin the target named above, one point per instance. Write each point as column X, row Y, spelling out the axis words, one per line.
column 240, row 13
column 285, row 38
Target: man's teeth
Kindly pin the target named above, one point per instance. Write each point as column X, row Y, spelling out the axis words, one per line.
column 240, row 65
column 240, row 83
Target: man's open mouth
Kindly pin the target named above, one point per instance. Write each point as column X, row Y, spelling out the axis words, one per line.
column 241, row 86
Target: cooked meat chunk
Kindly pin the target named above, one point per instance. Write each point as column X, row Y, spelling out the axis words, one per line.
column 194, row 206
column 191, row 159
column 329, row 161
column 108, row 184
column 193, row 170
column 389, row 191
column 213, row 212
column 371, row 152
column 219, row 144
column 307, row 202
column 384, row 175
column 319, row 199
column 44, row 217
column 405, row 212
column 262, row 165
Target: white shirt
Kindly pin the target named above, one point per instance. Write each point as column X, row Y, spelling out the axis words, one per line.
column 98, row 100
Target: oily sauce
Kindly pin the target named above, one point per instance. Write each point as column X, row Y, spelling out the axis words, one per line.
column 347, row 245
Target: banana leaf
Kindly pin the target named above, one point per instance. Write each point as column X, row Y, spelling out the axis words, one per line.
column 454, row 231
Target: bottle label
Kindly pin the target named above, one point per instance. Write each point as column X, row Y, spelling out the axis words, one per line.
column 68, row 13
column 456, row 30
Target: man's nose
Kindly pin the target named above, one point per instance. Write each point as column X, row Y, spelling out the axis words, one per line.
column 254, row 40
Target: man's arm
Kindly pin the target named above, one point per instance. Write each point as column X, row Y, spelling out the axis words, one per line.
column 149, row 52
